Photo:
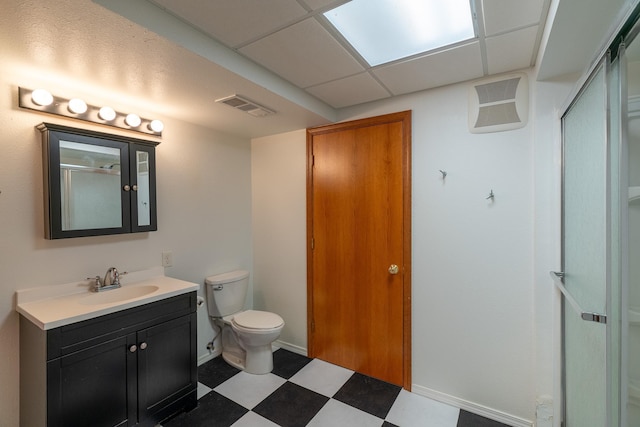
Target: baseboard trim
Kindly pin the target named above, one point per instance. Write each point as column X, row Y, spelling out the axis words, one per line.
column 292, row 348
column 475, row 408
column 204, row 358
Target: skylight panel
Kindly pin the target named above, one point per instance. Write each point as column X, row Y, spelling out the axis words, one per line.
column 386, row 30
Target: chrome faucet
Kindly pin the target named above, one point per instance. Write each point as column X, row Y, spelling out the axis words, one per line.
column 111, row 280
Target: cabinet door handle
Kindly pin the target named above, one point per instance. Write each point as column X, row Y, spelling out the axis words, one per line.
column 133, row 348
column 143, row 346
column 126, row 187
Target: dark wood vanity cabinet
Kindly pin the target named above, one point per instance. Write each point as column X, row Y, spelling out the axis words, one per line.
column 134, row 367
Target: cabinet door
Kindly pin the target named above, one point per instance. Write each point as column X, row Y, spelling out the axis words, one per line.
column 94, row 387
column 84, row 178
column 167, row 368
column 143, row 188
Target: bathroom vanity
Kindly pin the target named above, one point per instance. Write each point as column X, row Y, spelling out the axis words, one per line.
column 108, row 359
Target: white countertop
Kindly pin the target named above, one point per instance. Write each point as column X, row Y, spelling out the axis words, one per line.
column 54, row 306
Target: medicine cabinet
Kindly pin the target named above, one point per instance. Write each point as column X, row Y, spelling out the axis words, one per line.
column 97, row 183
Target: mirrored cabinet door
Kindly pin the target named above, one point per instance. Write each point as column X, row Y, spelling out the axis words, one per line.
column 97, row 184
column 143, row 177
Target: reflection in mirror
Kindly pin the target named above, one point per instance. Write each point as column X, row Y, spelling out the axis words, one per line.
column 90, row 186
column 142, row 168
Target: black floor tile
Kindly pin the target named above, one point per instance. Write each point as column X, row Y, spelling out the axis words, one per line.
column 467, row 419
column 291, row 405
column 213, row 410
column 368, row 394
column 287, row 363
column 215, row 372
column 388, row 424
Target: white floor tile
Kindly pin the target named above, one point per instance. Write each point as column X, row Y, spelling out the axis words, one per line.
column 202, row 390
column 413, row 410
column 336, row 414
column 251, row 419
column 322, row 377
column 248, row 390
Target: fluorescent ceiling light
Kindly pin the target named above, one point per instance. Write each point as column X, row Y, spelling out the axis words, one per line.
column 386, row 30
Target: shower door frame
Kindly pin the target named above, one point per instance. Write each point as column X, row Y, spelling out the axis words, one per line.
column 617, row 328
column 603, row 65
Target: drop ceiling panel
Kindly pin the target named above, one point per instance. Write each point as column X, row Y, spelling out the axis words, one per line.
column 317, row 4
column 304, row 53
column 512, row 51
column 507, row 15
column 237, row 21
column 349, row 91
column 450, row 66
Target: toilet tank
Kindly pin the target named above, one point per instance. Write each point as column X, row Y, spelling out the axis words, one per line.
column 226, row 292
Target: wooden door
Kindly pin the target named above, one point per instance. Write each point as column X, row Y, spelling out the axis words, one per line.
column 359, row 228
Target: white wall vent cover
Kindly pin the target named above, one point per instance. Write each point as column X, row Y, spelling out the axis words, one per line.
column 245, row 105
column 499, row 104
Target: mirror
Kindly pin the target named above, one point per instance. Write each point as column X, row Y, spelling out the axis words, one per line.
column 91, row 186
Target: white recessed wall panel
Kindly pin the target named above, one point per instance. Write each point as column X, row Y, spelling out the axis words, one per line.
column 508, row 15
column 304, row 53
column 237, row 21
column 450, row 66
column 350, row 91
column 511, row 51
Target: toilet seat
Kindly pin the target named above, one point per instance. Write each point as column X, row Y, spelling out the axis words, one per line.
column 257, row 320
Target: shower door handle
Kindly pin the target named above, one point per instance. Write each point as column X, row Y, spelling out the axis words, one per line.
column 557, row 277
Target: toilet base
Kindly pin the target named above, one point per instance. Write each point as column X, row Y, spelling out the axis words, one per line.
column 259, row 360
column 233, row 359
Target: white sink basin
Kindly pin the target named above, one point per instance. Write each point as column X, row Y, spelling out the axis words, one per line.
column 118, row 295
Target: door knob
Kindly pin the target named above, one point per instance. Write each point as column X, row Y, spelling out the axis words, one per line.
column 393, row 269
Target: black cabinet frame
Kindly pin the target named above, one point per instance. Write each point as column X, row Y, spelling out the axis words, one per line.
column 52, row 135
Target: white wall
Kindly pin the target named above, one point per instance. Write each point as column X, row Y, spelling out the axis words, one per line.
column 279, row 232
column 204, row 218
column 476, row 326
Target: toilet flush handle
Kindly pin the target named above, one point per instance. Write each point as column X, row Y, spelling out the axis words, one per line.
column 218, row 287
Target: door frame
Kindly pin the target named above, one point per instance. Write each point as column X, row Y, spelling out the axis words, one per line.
column 404, row 117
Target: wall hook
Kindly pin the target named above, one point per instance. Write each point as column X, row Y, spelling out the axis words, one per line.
column 491, row 196
column 444, row 173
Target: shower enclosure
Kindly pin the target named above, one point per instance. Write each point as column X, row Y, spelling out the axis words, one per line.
column 600, row 277
column 633, row 215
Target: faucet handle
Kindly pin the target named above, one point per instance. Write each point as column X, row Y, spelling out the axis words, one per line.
column 97, row 282
column 116, row 276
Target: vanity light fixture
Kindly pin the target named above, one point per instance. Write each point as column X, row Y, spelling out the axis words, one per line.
column 107, row 113
column 133, row 120
column 41, row 97
column 75, row 108
column 156, row 125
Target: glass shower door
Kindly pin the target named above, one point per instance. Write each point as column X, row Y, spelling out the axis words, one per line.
column 585, row 254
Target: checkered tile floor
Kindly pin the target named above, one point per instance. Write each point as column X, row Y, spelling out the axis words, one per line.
column 310, row 392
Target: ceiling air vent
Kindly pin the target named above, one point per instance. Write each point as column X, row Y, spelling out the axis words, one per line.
column 245, row 105
column 499, row 104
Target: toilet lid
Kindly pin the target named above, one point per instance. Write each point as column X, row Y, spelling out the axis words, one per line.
column 253, row 319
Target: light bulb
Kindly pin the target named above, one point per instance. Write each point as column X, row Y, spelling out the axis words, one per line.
column 156, row 126
column 77, row 106
column 133, row 120
column 107, row 113
column 42, row 97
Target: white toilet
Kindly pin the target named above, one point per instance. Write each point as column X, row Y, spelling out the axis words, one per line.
column 246, row 335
